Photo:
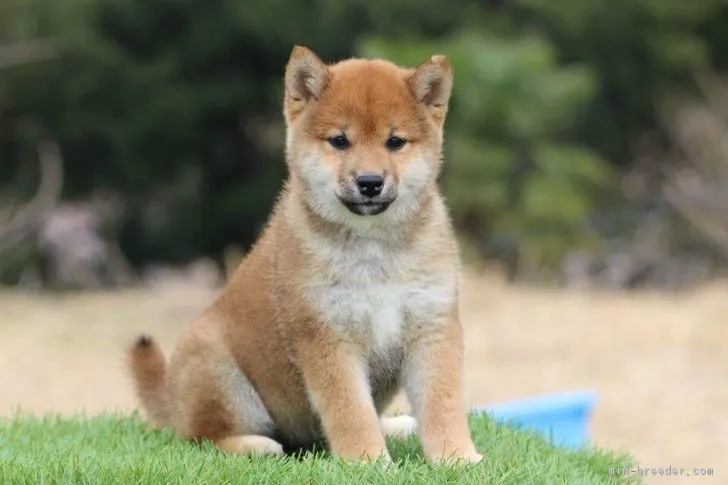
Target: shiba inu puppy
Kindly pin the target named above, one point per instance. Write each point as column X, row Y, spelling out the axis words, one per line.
column 350, row 292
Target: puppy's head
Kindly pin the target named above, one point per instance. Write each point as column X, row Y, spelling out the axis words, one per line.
column 364, row 137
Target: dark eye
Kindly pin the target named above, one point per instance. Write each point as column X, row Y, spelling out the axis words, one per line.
column 340, row 142
column 395, row 142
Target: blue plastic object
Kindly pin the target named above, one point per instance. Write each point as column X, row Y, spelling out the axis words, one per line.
column 562, row 418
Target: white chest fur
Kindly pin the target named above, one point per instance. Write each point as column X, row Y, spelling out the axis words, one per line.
column 371, row 294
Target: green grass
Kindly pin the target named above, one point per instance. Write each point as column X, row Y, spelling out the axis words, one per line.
column 120, row 449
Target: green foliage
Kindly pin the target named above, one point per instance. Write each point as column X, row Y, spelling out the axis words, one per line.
column 636, row 48
column 114, row 449
column 176, row 105
column 173, row 103
column 511, row 174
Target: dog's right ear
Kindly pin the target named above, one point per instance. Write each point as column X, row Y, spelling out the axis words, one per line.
column 306, row 76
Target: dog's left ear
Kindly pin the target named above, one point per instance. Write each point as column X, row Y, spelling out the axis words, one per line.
column 431, row 84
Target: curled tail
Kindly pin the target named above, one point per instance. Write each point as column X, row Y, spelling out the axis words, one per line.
column 148, row 369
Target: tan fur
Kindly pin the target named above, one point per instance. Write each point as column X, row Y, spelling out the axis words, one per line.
column 331, row 311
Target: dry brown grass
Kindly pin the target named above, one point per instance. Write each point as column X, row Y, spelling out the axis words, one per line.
column 658, row 362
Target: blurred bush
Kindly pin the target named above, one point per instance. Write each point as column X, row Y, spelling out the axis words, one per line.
column 517, row 186
column 175, row 105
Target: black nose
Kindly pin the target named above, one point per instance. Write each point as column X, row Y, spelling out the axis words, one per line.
column 370, row 184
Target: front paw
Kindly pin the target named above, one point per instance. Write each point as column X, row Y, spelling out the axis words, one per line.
column 383, row 458
column 473, row 457
column 470, row 457
column 373, row 455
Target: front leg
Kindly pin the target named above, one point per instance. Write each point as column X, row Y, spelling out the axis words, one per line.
column 433, row 381
column 335, row 378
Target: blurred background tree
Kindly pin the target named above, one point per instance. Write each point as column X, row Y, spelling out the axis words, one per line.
column 175, row 107
column 517, row 187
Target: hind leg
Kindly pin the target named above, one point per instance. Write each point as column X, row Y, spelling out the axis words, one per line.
column 250, row 444
column 213, row 400
column 215, row 419
column 398, row 426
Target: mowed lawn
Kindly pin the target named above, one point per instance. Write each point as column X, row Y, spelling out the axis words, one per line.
column 119, row 449
column 656, row 361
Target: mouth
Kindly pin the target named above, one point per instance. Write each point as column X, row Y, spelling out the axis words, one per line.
column 368, row 208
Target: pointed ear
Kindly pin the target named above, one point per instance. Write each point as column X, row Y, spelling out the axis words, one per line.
column 431, row 84
column 306, row 75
